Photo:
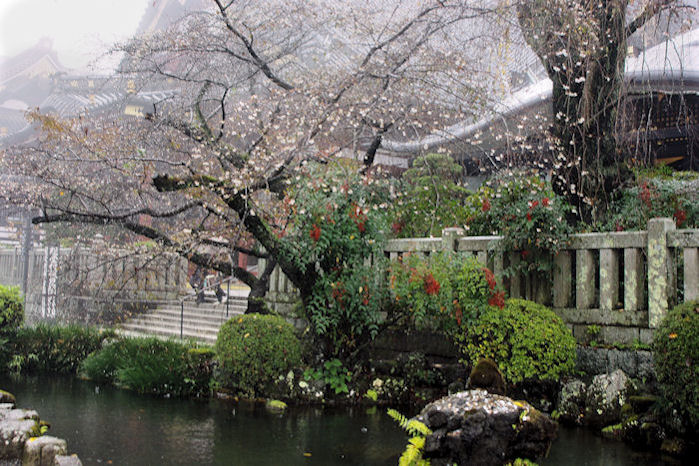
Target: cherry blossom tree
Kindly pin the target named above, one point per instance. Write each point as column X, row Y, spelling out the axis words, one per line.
column 252, row 91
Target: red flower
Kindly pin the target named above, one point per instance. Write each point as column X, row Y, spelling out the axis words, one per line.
column 315, row 232
column 361, row 226
column 490, row 278
column 486, row 205
column 458, row 315
column 545, row 202
column 431, row 285
column 525, row 253
column 680, row 216
column 645, row 194
column 619, row 227
column 498, row 299
column 529, row 217
column 534, row 204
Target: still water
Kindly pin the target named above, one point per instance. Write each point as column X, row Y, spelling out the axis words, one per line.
column 105, row 425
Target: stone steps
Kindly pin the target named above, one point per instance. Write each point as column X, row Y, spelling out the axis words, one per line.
column 198, row 322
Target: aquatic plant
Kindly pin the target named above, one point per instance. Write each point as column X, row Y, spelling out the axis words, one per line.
column 153, row 366
column 412, row 455
column 53, row 348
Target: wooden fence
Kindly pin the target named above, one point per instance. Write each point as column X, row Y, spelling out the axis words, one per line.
column 623, row 283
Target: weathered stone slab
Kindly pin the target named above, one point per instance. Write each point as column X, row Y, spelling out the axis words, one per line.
column 42, row 451
column 691, row 274
column 618, row 317
column 585, row 279
column 478, row 243
column 659, row 269
column 64, row 460
column 608, row 279
column 16, row 426
column 414, row 244
column 450, row 238
column 683, row 239
column 611, row 240
column 634, row 279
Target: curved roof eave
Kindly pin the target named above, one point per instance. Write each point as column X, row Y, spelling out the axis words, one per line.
column 655, row 69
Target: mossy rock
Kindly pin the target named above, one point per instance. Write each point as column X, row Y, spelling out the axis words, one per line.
column 7, row 397
column 486, row 375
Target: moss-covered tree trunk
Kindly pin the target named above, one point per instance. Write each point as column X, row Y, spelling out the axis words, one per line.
column 582, row 45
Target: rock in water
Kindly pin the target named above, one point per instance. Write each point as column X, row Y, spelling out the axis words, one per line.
column 571, row 402
column 604, row 399
column 478, row 428
column 7, row 397
column 487, row 376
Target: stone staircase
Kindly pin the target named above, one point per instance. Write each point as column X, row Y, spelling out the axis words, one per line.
column 201, row 322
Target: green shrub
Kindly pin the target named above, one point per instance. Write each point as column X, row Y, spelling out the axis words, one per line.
column 102, row 365
column 253, row 350
column 676, row 357
column 153, row 366
column 11, row 309
column 338, row 222
column 527, row 213
column 50, row 348
column 526, row 340
column 430, row 198
column 444, row 291
column 655, row 193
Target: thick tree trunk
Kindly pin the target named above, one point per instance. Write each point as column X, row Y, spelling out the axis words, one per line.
column 583, row 49
column 258, row 290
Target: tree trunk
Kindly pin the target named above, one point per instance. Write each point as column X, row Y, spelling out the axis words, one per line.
column 583, row 50
column 258, row 290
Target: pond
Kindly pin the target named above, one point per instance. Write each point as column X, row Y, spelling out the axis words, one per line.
column 105, row 425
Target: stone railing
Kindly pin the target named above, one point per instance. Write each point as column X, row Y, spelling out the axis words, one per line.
column 623, row 283
column 70, row 283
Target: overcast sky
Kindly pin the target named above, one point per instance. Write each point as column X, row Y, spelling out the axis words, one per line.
column 80, row 29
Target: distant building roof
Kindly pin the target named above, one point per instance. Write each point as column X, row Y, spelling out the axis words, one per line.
column 671, row 66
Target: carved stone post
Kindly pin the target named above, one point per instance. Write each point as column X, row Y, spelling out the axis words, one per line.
column 659, row 269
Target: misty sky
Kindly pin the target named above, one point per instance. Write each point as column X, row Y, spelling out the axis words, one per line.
column 81, row 30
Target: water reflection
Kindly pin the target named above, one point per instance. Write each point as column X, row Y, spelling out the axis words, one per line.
column 117, row 426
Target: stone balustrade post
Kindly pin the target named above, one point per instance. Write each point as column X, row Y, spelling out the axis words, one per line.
column 660, row 270
column 450, row 238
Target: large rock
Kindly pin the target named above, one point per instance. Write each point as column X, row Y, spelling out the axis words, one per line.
column 7, row 397
column 16, row 426
column 605, row 396
column 64, row 460
column 42, row 451
column 478, row 428
column 21, row 441
column 571, row 402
